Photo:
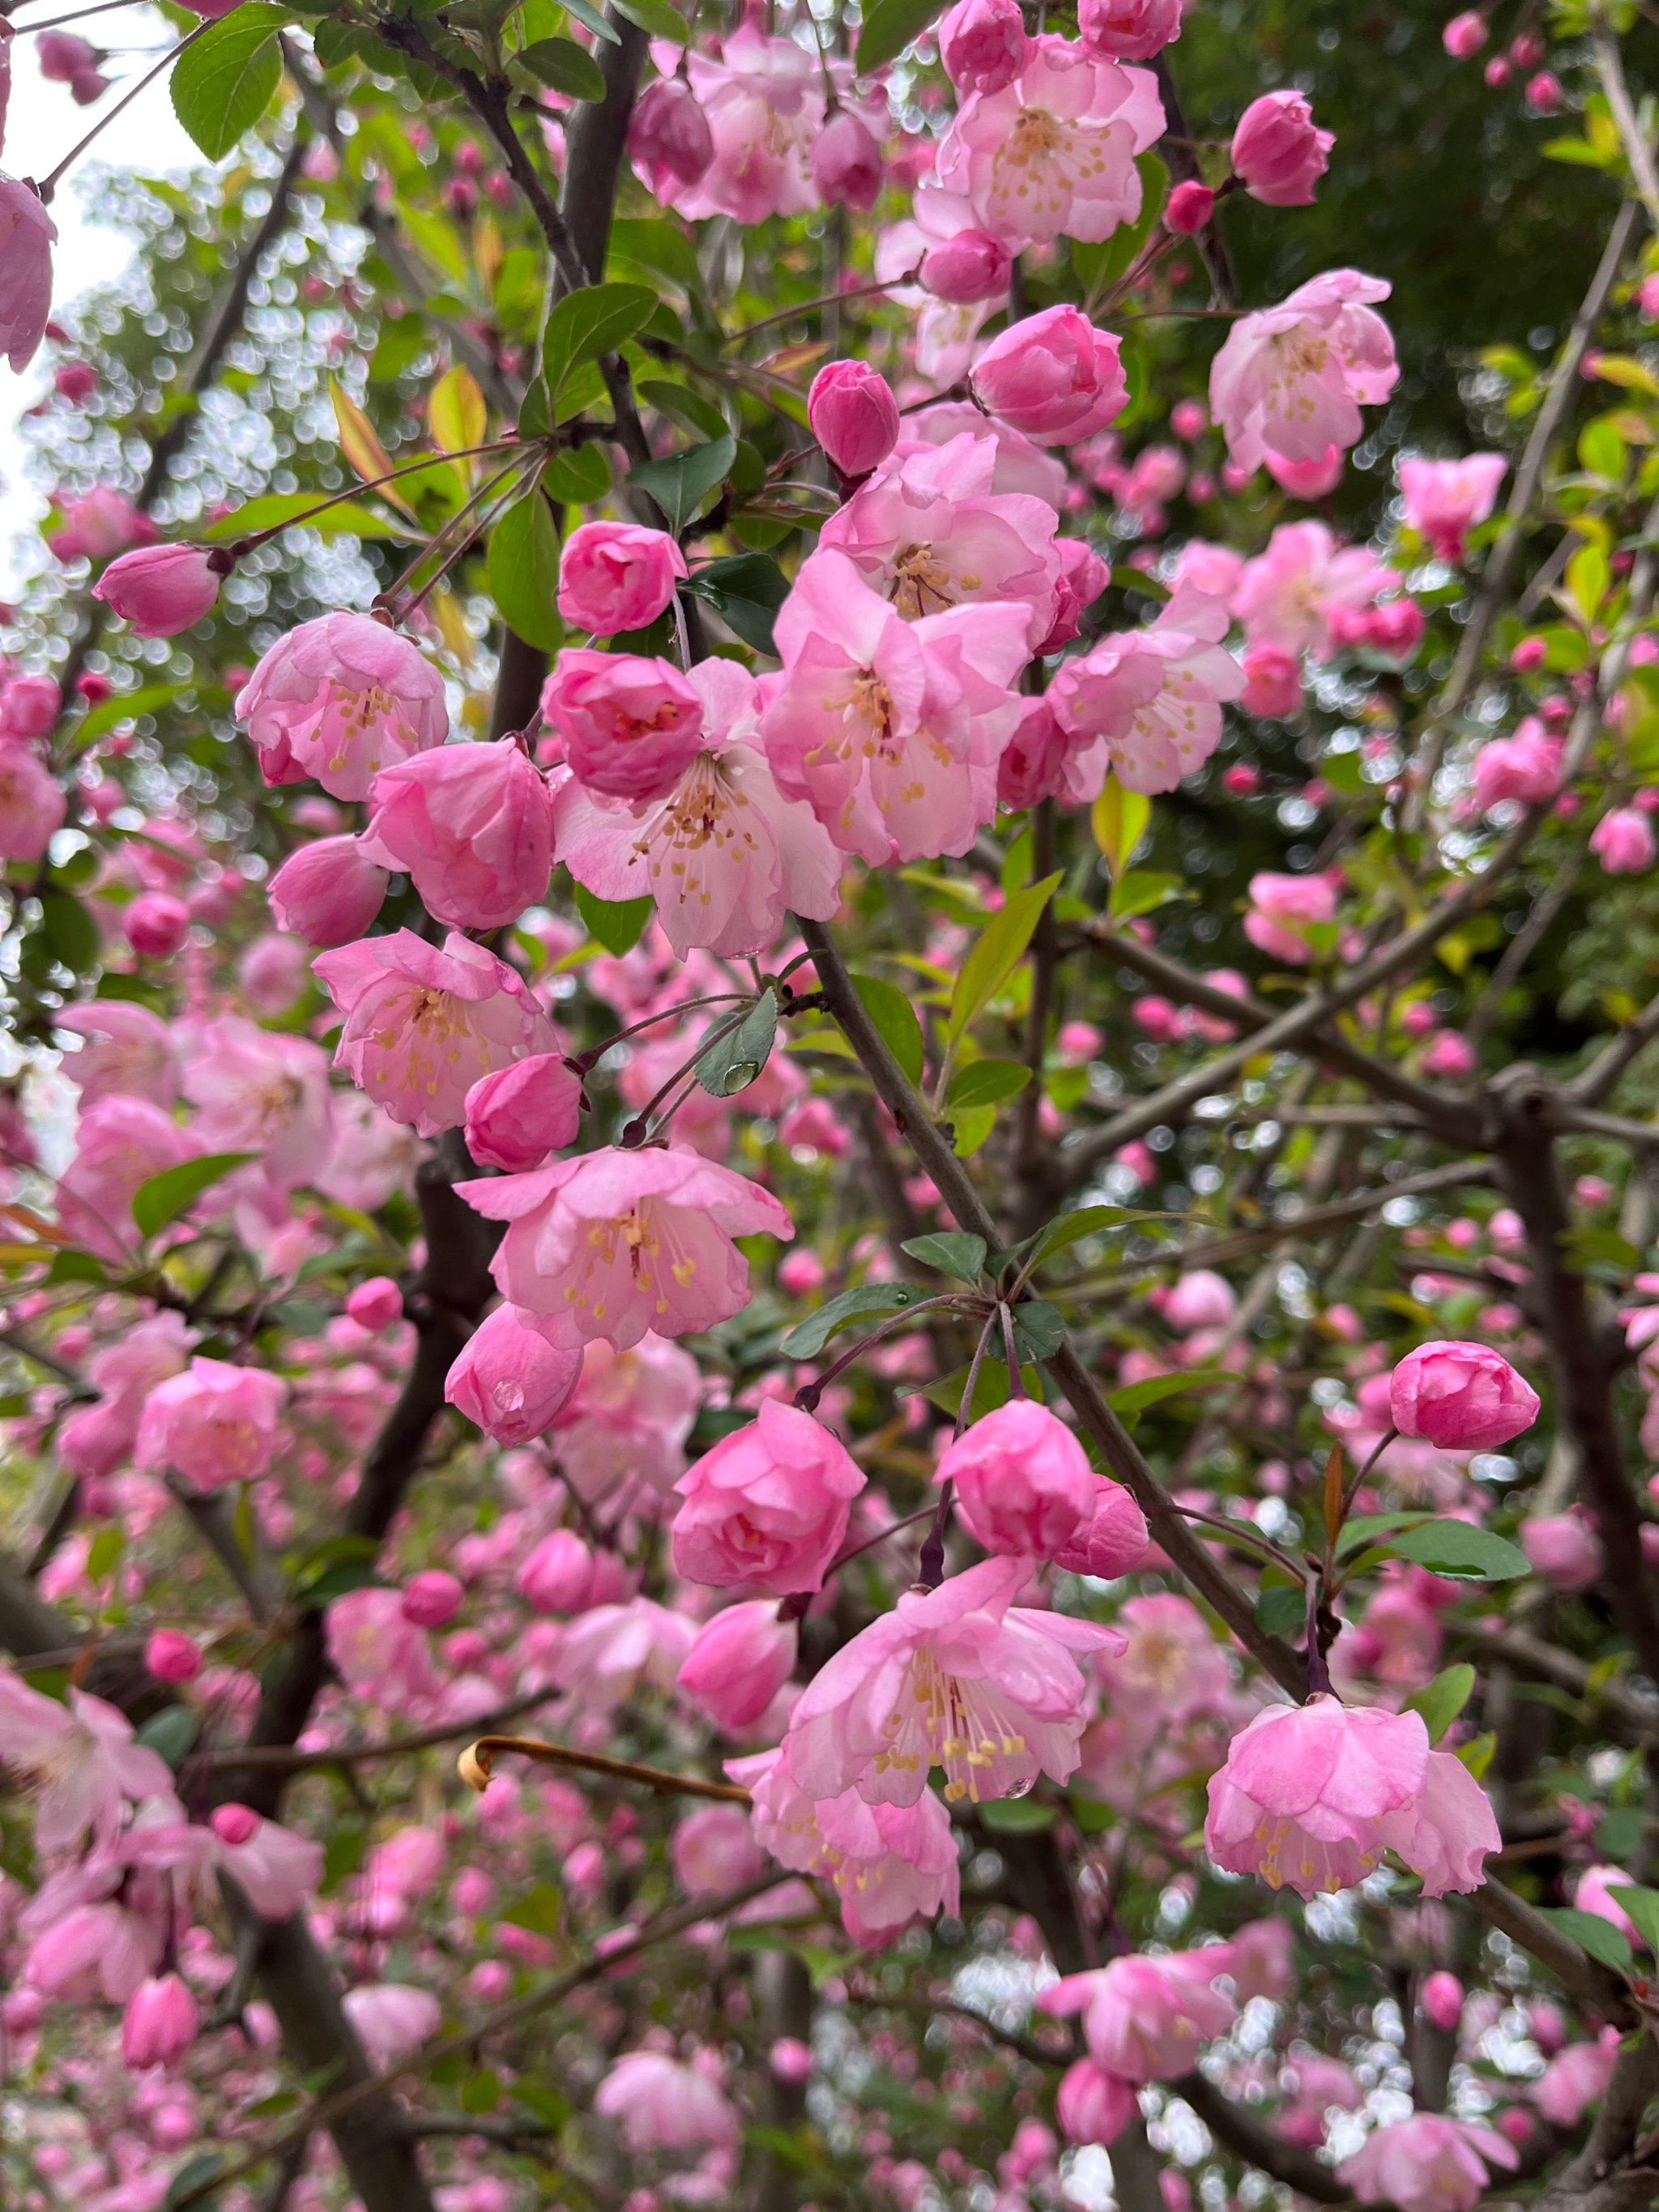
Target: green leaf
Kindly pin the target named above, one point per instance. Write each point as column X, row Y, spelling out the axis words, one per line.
column 657, row 17
column 1016, row 1816
column 523, row 567
column 191, row 2176
column 732, row 1062
column 1135, row 1397
column 996, row 952
column 680, row 485
column 584, row 326
column 895, row 1017
column 1364, row 1529
column 278, row 509
column 1119, row 818
column 869, row 1300
column 337, row 1581
column 1280, row 1611
column 223, row 84
column 1039, row 1329
column 171, row 1734
column 616, row 924
column 889, row 27
column 584, row 12
column 1140, row 891
column 163, row 1198
column 1099, row 265
column 1591, row 1933
column 1642, row 1906
column 953, row 1253
column 70, row 929
column 564, row 65
column 1441, row 1700
column 104, row 1552
column 1087, row 1221
column 1459, row 1549
column 987, row 1082
column 579, row 475
column 972, row 1124
column 122, row 706
column 481, row 2092
column 541, row 1909
column 745, row 590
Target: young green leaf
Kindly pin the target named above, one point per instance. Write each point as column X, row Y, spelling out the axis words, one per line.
column 730, row 1063
column 680, row 485
column 864, row 1304
column 889, row 27
column 895, row 1018
column 953, row 1253
column 618, row 925
column 1441, row 1700
column 163, row 1198
column 1461, row 1550
column 996, row 952
column 523, row 567
column 1591, row 1933
column 223, row 84
column 586, row 324
column 987, row 1082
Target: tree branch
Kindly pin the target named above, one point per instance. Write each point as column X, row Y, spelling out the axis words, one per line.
column 1247, row 2138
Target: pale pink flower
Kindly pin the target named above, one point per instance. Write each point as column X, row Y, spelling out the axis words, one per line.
column 605, row 1655
column 1146, row 703
column 258, row 1091
column 1143, row 2019
column 213, row 1425
column 659, row 2105
column 1263, row 1964
column 1170, row 1667
column 741, row 1659
column 1527, row 766
column 128, row 1049
column 1200, row 1299
column 32, row 803
column 1443, row 499
column 1052, row 153
column 120, row 1143
column 28, row 234
column 558, row 1576
column 1596, row 1892
column 1623, row 841
column 422, row 1026
column 615, row 1243
column 327, row 893
column 1283, row 908
column 1291, row 380
column 1278, row 154
column 509, row 1380
column 1291, row 594
column 1576, row 2079
column 957, row 1678
column 391, row 2019
column 339, row 699
column 1433, row 2163
column 372, row 1155
column 1024, row 1483
column 891, row 1862
column 77, row 1760
column 763, row 101
column 766, row 1508
column 616, row 576
column 1018, row 467
column 714, row 1850
column 845, row 162
column 1448, row 1835
column 727, row 856
column 630, row 1416
column 471, row 826
column 1562, row 1547
column 378, row 1652
column 95, row 1439
column 669, row 141
column 92, row 1949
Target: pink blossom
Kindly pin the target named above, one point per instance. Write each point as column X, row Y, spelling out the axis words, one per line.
column 1112, row 1541
column 78, row 1761
column 518, row 1115
column 1200, row 1299
column 339, row 699
column 669, row 141
column 605, row 1654
column 1054, row 376
column 32, row 803
column 630, row 724
column 1092, row 2105
column 1128, row 30
column 1428, row 2161
column 615, row 1243
column 391, row 2019
column 853, row 416
column 726, row 855
column 1263, row 1961
column 967, row 267
column 659, row 2105
column 1146, row 703
column 558, row 1575
column 471, row 826
column 28, row 234
column 172, row 1657
column 95, row 1439
column 714, row 1849
column 766, row 1508
column 1446, row 1836
column 257, row 1091
column 764, row 101
column 161, row 589
column 160, row 2024
column 1576, row 2078
column 982, row 43
column 1294, row 595
column 891, row 729
column 1562, row 1548
column 1290, row 381
column 120, row 1142
column 631, row 1415
column 1463, row 1397
column 1051, row 152
column 1145, row 2019
column 1623, row 841
column 741, row 1659
column 1465, row 34
column 213, row 1425
column 1282, row 911
column 509, row 1380
column 957, row 1678
column 97, row 1948
column 422, row 1026
column 431, row 1598
column 1445, row 499
column 1188, row 209
column 156, row 924
column 1024, row 1482
column 327, row 892
column 890, row 1863
column 1272, row 683
column 29, row 705
column 1441, row 1999
column 616, row 576
column 377, row 1651
column 1278, row 155
column 1449, row 1054
column 846, row 162
column 272, row 972
column 1527, row 766
column 375, row 1304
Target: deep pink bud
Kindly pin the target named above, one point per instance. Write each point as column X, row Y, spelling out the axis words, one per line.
column 430, row 1598
column 518, row 1115
column 1441, row 1999
column 1127, row 30
column 1024, row 1482
column 234, row 1824
column 172, row 1657
column 1623, row 842
column 1463, row 1397
column 28, row 234
column 1054, row 376
column 790, row 2061
column 631, row 725
column 510, row 1380
column 327, row 893
column 375, row 1304
column 1272, row 682
column 1278, row 155
column 156, row 924
column 160, row 589
column 853, row 416
column 1528, row 656
column 767, row 1508
column 1112, row 1541
column 557, row 1576
column 1188, row 208
column 1092, row 2105
column 982, row 43
column 738, row 1663
column 61, row 56
column 669, row 140
column 969, row 267
column 1527, row 52
column 1465, row 34
column 160, row 2021
column 616, row 576
column 846, row 162
column 1544, row 93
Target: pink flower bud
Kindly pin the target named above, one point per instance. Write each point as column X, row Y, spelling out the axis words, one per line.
column 160, row 589
column 509, row 1380
column 617, row 576
column 1530, row 655
column 61, row 56
column 160, row 2023
column 969, row 267
column 1495, row 74
column 172, row 1657
column 1092, row 2105
column 738, row 1663
column 853, row 416
column 1561, row 1547
column 1462, row 1397
column 790, row 2061
column 557, row 1576
column 1623, row 842
column 846, row 162
column 767, row 1508
column 982, row 43
column 1273, row 684
column 1465, row 35
column 669, row 141
column 1278, row 155
column 800, row 1272
column 1128, row 30
column 518, row 1115
column 1188, row 208
column 375, row 1304
column 1024, row 1482
column 631, row 726
column 472, row 825
column 1112, row 1541
column 1442, row 1999
column 234, row 1824
column 430, row 1598
column 327, row 893
column 1449, row 1055
column 28, row 706
column 1544, row 93
column 1528, row 51
column 1054, row 376
column 156, row 924
column 32, row 803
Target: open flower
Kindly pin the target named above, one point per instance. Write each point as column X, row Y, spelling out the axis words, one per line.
column 339, row 699
column 1429, row 2162
column 1146, row 2020
column 78, row 1759
column 1290, row 381
column 1146, row 703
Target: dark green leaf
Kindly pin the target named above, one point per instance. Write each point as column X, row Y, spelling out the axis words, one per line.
column 997, row 951
column 70, row 930
column 616, row 924
column 481, row 2092
column 1441, row 1700
column 1135, row 1397
column 564, row 65
column 524, row 572
column 868, row 1301
column 1366, row 1527
column 172, row 1733
column 584, row 326
column 1459, row 1549
column 991, row 1389
column 1641, row 1906
column 732, row 1062
column 889, row 27
column 953, row 1253
column 337, row 1581
column 541, row 1909
column 895, row 1017
column 746, row 591
column 584, row 12
column 124, row 706
column 1280, row 1611
column 192, row 2175
column 657, row 17
column 1039, row 1329
column 1590, row 1934
column 987, row 1082
column 1088, row 1221
column 680, row 485
column 579, row 475
column 163, row 1198
column 223, row 84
